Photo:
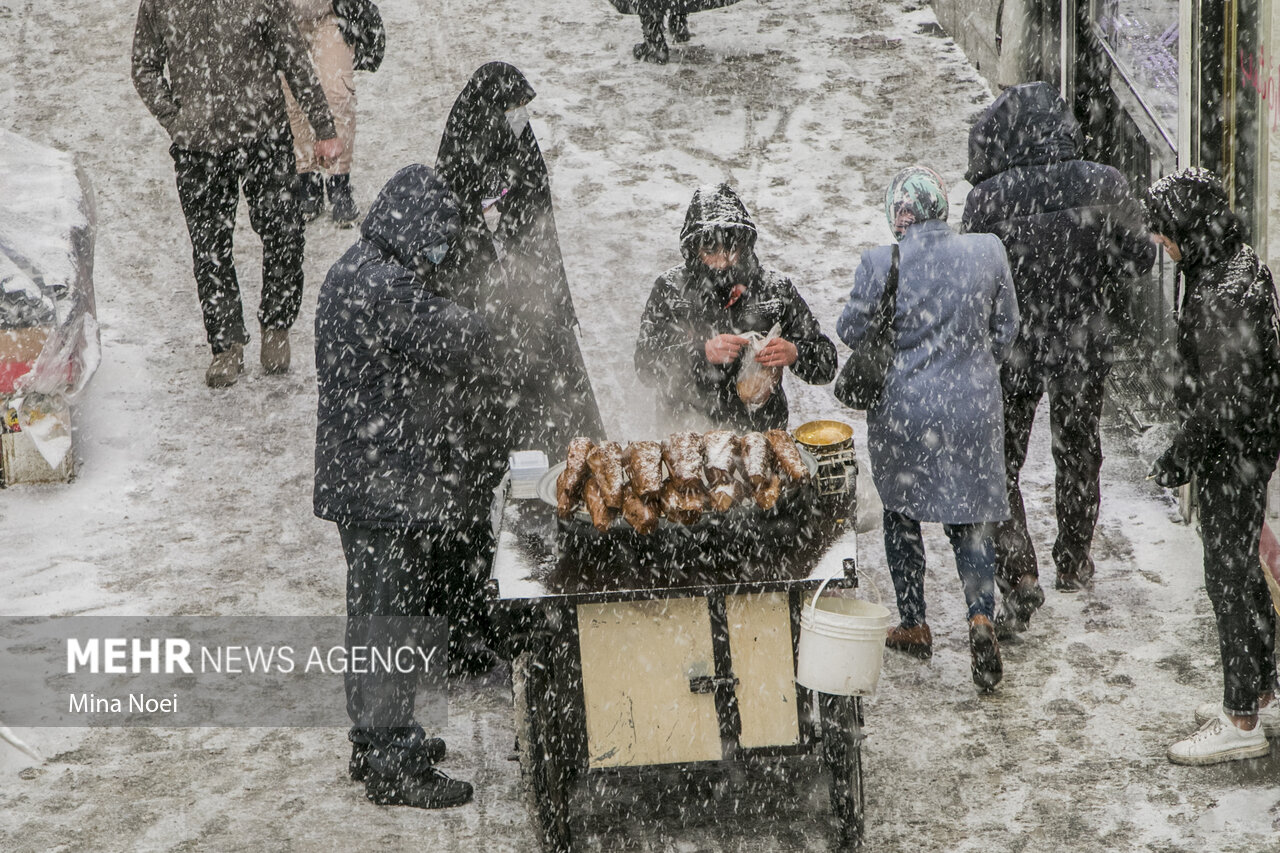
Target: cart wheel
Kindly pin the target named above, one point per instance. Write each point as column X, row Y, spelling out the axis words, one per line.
column 842, row 753
column 545, row 785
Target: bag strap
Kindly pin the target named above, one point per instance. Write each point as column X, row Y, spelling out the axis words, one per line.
column 889, row 299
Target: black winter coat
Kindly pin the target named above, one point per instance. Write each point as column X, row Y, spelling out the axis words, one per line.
column 1070, row 227
column 515, row 277
column 685, row 310
column 409, row 433
column 1228, row 387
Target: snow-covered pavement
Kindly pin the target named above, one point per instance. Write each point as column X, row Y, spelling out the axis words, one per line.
column 191, row 501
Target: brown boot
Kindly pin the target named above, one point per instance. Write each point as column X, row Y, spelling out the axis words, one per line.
column 226, row 367
column 275, row 350
column 915, row 641
column 983, row 646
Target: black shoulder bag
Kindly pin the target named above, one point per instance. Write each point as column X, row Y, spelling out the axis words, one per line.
column 861, row 380
column 361, row 25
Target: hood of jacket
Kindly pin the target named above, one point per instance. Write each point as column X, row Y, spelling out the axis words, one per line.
column 413, row 212
column 1028, row 125
column 715, row 209
column 1191, row 209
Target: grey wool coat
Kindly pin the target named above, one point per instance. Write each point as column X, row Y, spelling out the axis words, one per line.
column 936, row 438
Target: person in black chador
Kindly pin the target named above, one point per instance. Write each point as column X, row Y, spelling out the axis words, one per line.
column 691, row 340
column 1228, row 395
column 1072, row 230
column 512, row 273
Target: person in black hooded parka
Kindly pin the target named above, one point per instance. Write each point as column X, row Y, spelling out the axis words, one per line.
column 1228, row 395
column 409, row 448
column 690, row 347
column 1072, row 231
column 513, row 275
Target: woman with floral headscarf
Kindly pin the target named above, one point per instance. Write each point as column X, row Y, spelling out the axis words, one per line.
column 1228, row 393
column 936, row 437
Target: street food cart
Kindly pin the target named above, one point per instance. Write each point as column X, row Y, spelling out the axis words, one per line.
column 675, row 649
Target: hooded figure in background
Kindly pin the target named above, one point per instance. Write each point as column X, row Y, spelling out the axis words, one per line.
column 409, row 448
column 511, row 272
column 1073, row 232
column 691, row 348
column 1228, row 394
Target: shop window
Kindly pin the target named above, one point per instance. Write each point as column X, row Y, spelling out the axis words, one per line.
column 1142, row 38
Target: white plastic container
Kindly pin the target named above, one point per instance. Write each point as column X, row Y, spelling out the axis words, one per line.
column 841, row 646
column 527, row 467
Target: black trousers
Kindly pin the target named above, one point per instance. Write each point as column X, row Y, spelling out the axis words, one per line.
column 652, row 15
column 209, row 187
column 406, row 588
column 1232, row 498
column 1075, row 411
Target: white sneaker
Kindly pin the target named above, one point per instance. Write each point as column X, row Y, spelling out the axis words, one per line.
column 1268, row 717
column 1219, row 740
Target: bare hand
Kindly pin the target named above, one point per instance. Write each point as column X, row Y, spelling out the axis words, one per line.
column 778, row 353
column 328, row 151
column 723, row 349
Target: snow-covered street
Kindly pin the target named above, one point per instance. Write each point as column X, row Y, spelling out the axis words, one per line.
column 195, row 501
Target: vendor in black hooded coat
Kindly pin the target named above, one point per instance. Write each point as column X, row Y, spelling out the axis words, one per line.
column 1228, row 395
column 691, row 349
column 1072, row 231
column 513, row 274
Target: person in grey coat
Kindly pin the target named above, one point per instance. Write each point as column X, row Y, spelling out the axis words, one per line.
column 936, row 436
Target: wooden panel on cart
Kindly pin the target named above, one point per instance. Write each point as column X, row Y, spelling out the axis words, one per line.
column 763, row 663
column 637, row 659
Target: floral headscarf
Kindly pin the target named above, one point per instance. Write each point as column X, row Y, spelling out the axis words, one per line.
column 917, row 192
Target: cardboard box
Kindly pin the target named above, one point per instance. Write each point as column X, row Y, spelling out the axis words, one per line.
column 20, row 462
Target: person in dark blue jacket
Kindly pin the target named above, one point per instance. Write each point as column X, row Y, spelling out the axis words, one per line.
column 408, row 453
column 1072, row 231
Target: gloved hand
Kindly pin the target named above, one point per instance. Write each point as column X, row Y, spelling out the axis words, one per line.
column 1172, row 469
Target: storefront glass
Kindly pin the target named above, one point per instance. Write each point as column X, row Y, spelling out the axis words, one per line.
column 1143, row 37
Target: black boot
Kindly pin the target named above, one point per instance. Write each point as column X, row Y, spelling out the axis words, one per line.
column 429, row 790
column 433, row 750
column 310, row 195
column 345, row 212
column 654, row 47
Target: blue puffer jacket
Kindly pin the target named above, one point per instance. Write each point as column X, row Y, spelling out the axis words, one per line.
column 1071, row 227
column 408, row 412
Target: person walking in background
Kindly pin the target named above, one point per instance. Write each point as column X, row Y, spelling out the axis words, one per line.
column 655, row 17
column 409, row 449
column 334, row 62
column 1228, row 437
column 691, row 348
column 935, row 437
column 1072, row 230
column 508, row 265
column 660, row 16
column 207, row 72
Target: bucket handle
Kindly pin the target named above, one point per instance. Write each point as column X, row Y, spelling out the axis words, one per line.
column 813, row 602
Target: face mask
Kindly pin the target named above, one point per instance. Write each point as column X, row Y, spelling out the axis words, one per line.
column 436, row 253
column 517, row 120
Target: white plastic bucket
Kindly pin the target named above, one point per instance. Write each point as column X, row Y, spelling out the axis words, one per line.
column 841, row 645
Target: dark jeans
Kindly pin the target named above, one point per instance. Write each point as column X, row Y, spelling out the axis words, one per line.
column 405, row 587
column 1232, row 499
column 209, row 188
column 1075, row 409
column 975, row 563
